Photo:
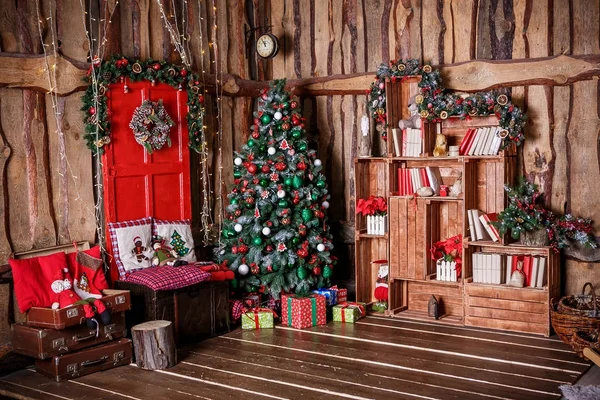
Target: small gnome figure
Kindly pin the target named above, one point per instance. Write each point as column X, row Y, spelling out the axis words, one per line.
column 381, row 287
column 139, row 249
column 163, row 254
column 67, row 297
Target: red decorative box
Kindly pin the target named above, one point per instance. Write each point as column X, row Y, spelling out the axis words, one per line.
column 342, row 294
column 303, row 312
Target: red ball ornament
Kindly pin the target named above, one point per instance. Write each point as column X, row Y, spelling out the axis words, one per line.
column 242, row 249
column 92, row 110
column 183, row 72
column 119, row 63
column 234, row 249
column 156, row 66
column 280, row 166
column 269, row 224
column 237, row 213
column 269, row 248
column 302, row 253
column 255, row 135
column 255, row 181
column 301, row 165
column 285, row 126
column 317, row 271
column 294, row 104
column 296, row 200
column 265, row 168
column 264, row 96
column 201, row 99
column 250, row 200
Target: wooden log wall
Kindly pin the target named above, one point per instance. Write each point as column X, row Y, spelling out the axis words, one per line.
column 48, row 168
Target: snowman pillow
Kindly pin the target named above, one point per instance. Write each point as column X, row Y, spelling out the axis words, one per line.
column 131, row 244
column 178, row 236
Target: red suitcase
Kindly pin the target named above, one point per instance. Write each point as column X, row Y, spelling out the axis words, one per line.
column 44, row 343
column 87, row 361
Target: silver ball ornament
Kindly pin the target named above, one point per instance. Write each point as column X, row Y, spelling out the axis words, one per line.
column 318, row 163
column 243, row 269
column 271, row 151
column 237, row 228
column 281, row 193
column 278, row 115
column 321, row 247
column 325, row 204
column 266, row 231
column 237, row 161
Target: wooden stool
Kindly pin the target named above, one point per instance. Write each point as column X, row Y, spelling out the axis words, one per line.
column 154, row 345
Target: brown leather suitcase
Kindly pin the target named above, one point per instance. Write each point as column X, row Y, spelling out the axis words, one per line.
column 116, row 300
column 44, row 343
column 87, row 361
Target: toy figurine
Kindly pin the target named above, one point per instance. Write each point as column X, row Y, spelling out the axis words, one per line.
column 163, row 254
column 381, row 287
column 414, row 121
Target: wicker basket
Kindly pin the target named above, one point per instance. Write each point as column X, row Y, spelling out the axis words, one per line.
column 565, row 325
column 582, row 339
column 581, row 304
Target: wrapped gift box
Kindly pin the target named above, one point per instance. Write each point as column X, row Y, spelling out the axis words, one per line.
column 251, row 300
column 257, row 318
column 303, row 312
column 330, row 295
column 348, row 312
column 342, row 294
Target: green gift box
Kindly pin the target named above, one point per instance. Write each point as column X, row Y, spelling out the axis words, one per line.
column 348, row 312
column 257, row 318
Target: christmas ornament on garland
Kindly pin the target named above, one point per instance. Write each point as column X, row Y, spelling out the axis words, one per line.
column 151, row 125
column 435, row 104
column 121, row 69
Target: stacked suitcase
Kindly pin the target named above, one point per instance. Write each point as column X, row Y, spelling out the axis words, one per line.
column 64, row 346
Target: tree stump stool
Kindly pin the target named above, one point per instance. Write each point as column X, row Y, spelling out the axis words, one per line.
column 154, row 345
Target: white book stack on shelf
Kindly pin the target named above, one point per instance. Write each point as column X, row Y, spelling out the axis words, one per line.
column 488, row 268
column 476, row 229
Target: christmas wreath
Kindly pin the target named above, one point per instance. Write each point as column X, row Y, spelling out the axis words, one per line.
column 435, row 104
column 102, row 74
column 151, row 125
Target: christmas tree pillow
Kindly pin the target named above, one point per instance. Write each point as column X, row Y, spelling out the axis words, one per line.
column 178, row 236
column 131, row 244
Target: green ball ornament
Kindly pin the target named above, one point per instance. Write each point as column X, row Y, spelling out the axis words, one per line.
column 233, row 201
column 287, row 181
column 321, row 184
column 282, row 203
column 237, row 174
column 257, row 241
column 314, row 196
column 296, row 240
column 264, row 182
column 285, row 104
column 250, row 143
column 327, row 272
column 302, row 273
column 307, row 215
column 297, row 182
column 296, row 134
column 234, row 283
column 262, row 148
column 302, row 146
column 265, row 119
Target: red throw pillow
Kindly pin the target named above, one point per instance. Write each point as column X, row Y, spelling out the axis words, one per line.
column 33, row 278
column 96, row 281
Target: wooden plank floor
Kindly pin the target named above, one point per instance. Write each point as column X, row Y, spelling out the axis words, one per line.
column 377, row 358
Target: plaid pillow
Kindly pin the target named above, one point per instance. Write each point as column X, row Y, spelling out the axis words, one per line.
column 167, row 277
column 131, row 244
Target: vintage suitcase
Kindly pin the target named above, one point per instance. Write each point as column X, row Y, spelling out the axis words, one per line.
column 44, row 343
column 116, row 300
column 87, row 361
column 197, row 311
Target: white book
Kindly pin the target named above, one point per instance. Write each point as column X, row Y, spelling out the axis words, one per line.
column 508, row 268
column 416, row 137
column 433, row 181
column 476, row 141
column 472, row 232
column 480, row 267
column 396, row 135
column 414, row 178
column 496, row 142
column 487, row 141
column 541, row 277
column 488, row 269
column 498, row 269
column 411, row 142
column 481, row 233
column 534, row 271
column 490, row 140
column 484, row 132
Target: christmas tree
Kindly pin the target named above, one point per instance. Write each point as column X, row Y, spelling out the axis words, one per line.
column 178, row 244
column 275, row 235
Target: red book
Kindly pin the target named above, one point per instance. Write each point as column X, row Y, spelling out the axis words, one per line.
column 470, row 142
column 404, row 142
column 527, row 264
column 409, row 186
column 400, row 182
column 465, row 141
column 424, row 178
column 515, row 261
column 493, row 217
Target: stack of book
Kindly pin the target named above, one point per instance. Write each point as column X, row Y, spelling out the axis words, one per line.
column 489, row 268
column 485, row 141
column 480, row 226
column 411, row 179
column 407, row 142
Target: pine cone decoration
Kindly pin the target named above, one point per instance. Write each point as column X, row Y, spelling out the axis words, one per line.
column 107, row 75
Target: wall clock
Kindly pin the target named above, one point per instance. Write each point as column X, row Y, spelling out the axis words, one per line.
column 267, row 46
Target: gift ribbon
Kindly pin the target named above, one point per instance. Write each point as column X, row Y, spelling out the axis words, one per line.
column 313, row 301
column 343, row 306
column 257, row 310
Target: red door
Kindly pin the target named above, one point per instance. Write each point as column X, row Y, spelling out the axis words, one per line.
column 138, row 184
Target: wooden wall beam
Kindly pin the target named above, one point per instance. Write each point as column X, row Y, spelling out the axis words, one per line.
column 28, row 72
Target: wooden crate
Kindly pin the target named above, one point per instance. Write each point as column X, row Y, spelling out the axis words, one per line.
column 407, row 238
column 411, row 299
column 509, row 308
column 443, row 219
column 397, row 95
column 367, row 251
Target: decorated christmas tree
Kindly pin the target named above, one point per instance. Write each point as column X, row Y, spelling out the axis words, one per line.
column 275, row 235
column 178, row 244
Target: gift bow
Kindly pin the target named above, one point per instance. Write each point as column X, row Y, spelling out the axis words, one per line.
column 350, row 304
column 255, row 311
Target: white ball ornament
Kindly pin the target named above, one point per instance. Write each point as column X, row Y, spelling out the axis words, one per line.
column 243, row 269
column 271, row 150
column 266, row 231
column 278, row 115
column 321, row 247
column 237, row 161
column 222, row 252
column 325, row 204
column 318, row 163
column 237, row 228
column 281, row 193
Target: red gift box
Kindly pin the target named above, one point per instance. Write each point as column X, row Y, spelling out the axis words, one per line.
column 303, row 312
column 342, row 294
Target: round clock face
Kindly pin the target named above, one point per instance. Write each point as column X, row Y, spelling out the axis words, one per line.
column 266, row 46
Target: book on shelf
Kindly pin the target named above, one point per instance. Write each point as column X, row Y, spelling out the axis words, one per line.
column 484, row 141
column 472, row 233
column 486, row 220
column 397, row 137
column 479, row 233
column 466, row 142
column 534, row 269
column 541, row 276
column 534, row 272
column 411, row 179
column 489, row 268
column 414, row 142
column 434, row 178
